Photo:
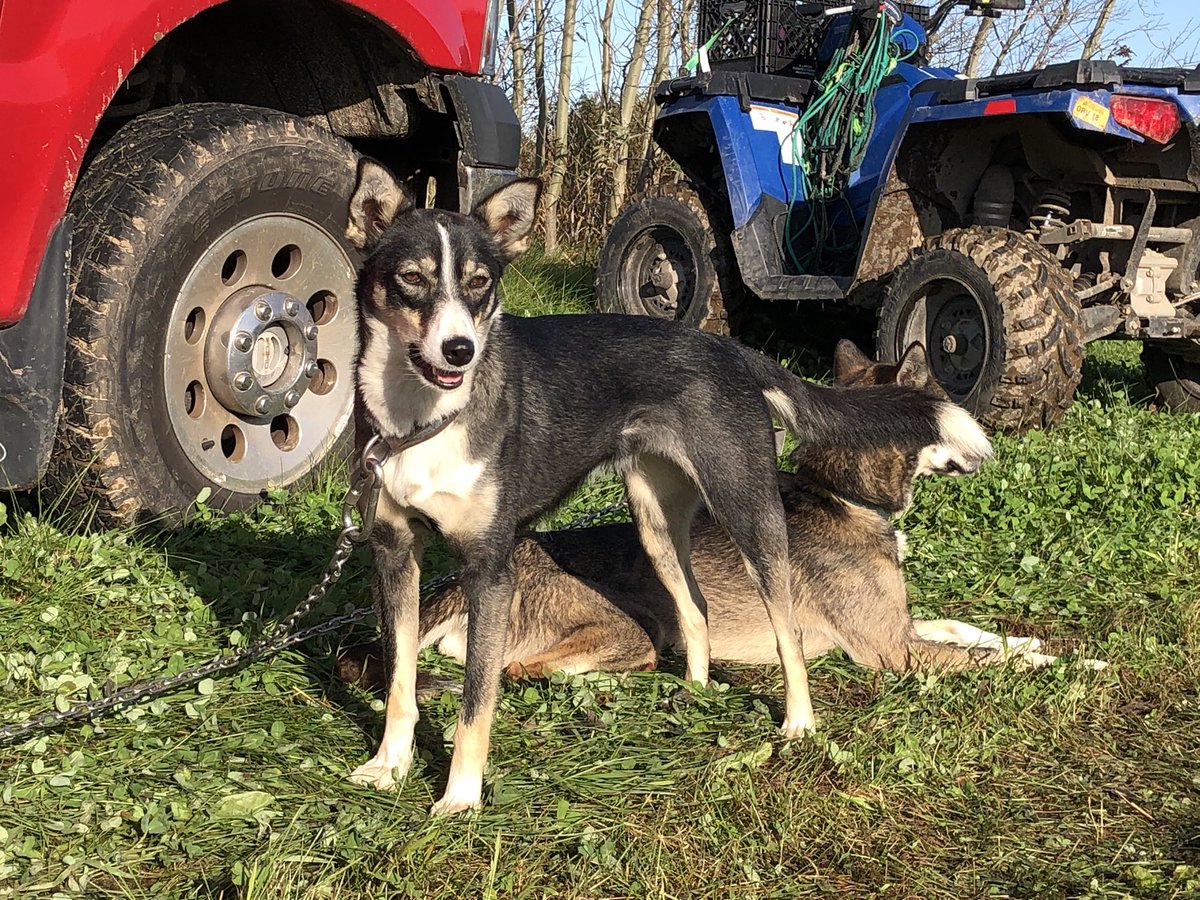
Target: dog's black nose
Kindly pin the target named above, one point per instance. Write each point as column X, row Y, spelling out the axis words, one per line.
column 458, row 351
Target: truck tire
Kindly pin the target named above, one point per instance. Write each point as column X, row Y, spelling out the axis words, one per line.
column 1176, row 379
column 212, row 324
column 1000, row 321
column 665, row 256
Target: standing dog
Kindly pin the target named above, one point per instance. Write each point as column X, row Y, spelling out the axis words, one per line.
column 589, row 600
column 529, row 407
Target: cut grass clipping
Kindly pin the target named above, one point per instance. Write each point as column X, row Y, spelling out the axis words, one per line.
column 1061, row 783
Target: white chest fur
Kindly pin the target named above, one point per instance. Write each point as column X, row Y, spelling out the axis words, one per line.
column 439, row 480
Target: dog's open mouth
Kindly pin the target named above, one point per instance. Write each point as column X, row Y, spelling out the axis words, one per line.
column 442, row 378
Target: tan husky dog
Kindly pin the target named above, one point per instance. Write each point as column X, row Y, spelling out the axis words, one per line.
column 589, row 599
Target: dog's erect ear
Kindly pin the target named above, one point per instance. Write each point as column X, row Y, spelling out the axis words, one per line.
column 509, row 213
column 848, row 361
column 913, row 368
column 377, row 198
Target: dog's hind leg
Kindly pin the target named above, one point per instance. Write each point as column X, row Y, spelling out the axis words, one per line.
column 663, row 503
column 396, row 589
column 755, row 522
column 770, row 572
column 608, row 646
column 952, row 631
column 489, row 584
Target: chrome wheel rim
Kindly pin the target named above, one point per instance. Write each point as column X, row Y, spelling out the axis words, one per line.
column 259, row 345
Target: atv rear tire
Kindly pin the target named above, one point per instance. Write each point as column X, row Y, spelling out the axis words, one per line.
column 667, row 256
column 1000, row 321
column 1176, row 379
column 212, row 324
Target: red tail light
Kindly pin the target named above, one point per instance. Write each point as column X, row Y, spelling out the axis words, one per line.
column 1156, row 119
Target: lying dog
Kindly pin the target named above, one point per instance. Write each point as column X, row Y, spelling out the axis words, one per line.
column 513, row 413
column 589, row 600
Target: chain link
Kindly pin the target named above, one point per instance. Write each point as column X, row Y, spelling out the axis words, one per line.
column 362, row 497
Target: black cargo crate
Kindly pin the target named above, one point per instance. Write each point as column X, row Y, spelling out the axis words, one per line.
column 769, row 36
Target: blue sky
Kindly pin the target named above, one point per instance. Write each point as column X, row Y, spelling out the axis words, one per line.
column 1179, row 14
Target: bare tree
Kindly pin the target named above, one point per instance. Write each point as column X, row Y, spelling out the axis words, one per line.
column 1060, row 20
column 977, row 46
column 517, row 52
column 606, row 50
column 629, row 93
column 666, row 35
column 539, row 84
column 687, row 11
column 562, row 111
column 1093, row 42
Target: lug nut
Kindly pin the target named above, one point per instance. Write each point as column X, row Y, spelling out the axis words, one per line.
column 291, row 398
column 310, row 332
column 311, row 369
column 949, row 344
column 262, row 309
column 262, row 404
column 292, row 308
column 244, row 341
column 243, row 381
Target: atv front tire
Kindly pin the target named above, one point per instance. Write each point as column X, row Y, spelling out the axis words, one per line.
column 999, row 319
column 212, row 324
column 666, row 256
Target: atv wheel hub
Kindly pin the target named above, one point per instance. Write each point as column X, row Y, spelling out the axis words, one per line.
column 663, row 272
column 948, row 318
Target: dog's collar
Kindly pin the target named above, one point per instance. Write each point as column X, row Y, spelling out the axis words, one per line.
column 421, row 435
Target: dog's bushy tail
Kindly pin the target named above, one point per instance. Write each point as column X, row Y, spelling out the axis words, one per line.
column 860, row 419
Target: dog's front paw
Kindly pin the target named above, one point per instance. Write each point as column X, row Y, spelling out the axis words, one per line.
column 381, row 774
column 462, row 793
column 798, row 728
column 448, row 806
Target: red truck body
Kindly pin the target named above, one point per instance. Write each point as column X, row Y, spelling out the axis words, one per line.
column 223, row 115
column 61, row 63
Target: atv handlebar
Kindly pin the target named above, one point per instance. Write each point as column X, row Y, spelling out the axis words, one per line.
column 989, row 8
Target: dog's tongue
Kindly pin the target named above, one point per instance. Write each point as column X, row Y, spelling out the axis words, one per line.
column 448, row 379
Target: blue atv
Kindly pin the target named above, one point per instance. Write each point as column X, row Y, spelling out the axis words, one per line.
column 1005, row 221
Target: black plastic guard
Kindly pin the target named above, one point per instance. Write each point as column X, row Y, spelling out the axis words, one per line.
column 32, row 355
column 488, row 131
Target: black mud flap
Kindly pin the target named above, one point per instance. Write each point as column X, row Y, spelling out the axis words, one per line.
column 32, row 355
column 489, row 136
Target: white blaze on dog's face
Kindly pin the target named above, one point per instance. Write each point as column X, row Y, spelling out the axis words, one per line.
column 961, row 448
column 429, row 285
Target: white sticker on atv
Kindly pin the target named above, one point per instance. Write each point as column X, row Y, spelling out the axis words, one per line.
column 782, row 124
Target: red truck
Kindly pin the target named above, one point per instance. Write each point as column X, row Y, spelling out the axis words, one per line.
column 176, row 309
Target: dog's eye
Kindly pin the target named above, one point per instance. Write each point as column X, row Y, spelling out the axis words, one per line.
column 412, row 278
column 479, row 281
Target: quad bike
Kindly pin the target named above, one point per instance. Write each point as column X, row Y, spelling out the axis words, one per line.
column 1004, row 221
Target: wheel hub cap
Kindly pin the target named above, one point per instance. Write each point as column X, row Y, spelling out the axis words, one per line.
column 258, row 351
column 949, row 320
column 660, row 272
column 957, row 329
column 665, row 279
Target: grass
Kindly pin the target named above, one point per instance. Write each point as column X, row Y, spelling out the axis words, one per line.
column 1059, row 783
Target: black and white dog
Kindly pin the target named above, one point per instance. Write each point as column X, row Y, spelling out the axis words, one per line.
column 535, row 405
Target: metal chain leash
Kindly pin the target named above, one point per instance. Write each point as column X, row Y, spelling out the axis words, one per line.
column 363, row 498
